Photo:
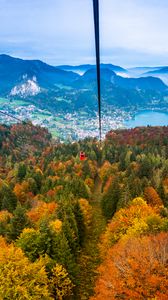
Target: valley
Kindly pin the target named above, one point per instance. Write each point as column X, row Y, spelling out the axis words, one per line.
column 64, row 98
column 83, row 150
column 71, row 126
column 68, row 126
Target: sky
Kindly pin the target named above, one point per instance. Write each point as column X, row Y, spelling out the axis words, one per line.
column 132, row 32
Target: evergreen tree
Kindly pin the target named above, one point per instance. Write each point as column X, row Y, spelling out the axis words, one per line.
column 33, row 243
column 8, row 199
column 38, row 179
column 146, row 168
column 135, row 186
column 122, row 162
column 72, row 238
column 162, row 193
column 125, row 197
column 66, row 213
column 80, row 222
column 18, row 223
column 85, row 169
column 77, row 187
column 21, row 171
column 111, row 198
column 61, row 253
column 92, row 155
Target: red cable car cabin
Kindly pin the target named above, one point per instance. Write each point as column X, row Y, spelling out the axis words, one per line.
column 82, row 155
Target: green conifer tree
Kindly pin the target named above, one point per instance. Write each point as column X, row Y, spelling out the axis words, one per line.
column 8, row 199
column 18, row 223
column 111, row 198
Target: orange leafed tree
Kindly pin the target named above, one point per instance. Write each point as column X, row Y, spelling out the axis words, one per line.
column 165, row 187
column 21, row 191
column 133, row 218
column 41, row 211
column 108, row 184
column 5, row 216
column 105, row 169
column 135, row 269
column 152, row 197
column 90, row 183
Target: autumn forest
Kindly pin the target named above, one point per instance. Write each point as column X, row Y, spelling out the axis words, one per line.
column 95, row 229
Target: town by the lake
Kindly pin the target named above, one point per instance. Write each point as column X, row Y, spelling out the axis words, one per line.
column 75, row 125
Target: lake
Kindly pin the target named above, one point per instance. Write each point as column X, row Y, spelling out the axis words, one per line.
column 148, row 117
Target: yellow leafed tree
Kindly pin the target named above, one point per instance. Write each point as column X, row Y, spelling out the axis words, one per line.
column 139, row 218
column 60, row 284
column 86, row 210
column 19, row 278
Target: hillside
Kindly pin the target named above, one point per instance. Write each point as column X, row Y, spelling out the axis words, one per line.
column 81, row 69
column 15, row 73
column 161, row 73
column 59, row 89
column 92, row 229
column 66, row 102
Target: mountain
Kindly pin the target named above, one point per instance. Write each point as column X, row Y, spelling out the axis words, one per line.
column 139, row 71
column 58, row 90
column 88, row 79
column 16, row 74
column 162, row 70
column 81, row 69
column 161, row 73
column 148, row 83
column 119, row 91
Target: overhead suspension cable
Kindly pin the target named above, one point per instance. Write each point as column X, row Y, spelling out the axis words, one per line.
column 15, row 118
column 97, row 45
column 8, row 115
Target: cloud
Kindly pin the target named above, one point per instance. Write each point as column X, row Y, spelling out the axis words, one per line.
column 133, row 24
column 61, row 31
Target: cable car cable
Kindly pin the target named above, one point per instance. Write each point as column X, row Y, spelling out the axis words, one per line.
column 8, row 115
column 97, row 45
column 17, row 119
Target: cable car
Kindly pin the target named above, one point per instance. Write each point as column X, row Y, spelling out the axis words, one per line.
column 82, row 155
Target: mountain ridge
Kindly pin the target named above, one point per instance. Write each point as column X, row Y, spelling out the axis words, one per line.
column 57, row 90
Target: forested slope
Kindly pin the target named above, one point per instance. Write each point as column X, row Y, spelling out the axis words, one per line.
column 51, row 206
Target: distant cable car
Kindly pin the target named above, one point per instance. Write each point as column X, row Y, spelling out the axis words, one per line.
column 82, row 155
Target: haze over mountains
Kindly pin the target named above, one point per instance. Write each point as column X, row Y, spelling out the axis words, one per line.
column 81, row 69
column 159, row 72
column 64, row 88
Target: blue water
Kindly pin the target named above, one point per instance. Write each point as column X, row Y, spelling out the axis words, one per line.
column 148, row 117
